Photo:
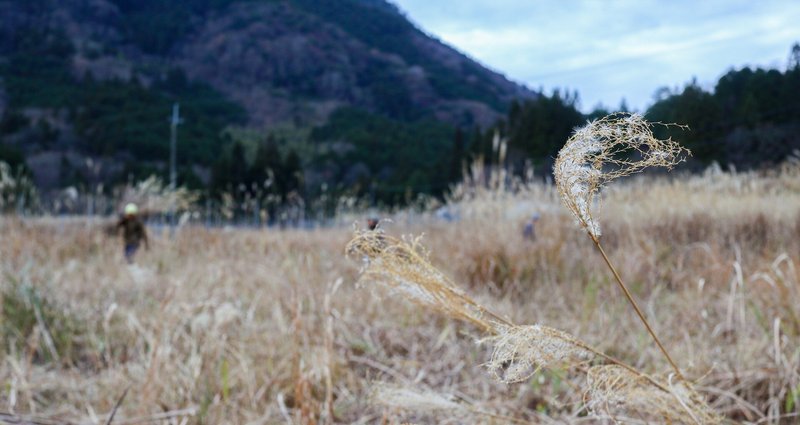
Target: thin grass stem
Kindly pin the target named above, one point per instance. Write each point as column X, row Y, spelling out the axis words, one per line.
column 636, row 307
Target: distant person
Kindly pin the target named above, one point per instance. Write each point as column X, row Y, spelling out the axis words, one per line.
column 444, row 213
column 133, row 232
column 529, row 231
column 373, row 226
column 372, row 223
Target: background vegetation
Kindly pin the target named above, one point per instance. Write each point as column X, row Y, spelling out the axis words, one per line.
column 386, row 155
column 239, row 325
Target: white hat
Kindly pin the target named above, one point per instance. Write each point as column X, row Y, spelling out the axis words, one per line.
column 131, row 209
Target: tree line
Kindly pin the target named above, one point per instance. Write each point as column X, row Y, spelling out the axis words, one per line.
column 750, row 118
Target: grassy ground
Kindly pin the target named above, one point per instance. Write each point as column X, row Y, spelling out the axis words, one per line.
column 244, row 326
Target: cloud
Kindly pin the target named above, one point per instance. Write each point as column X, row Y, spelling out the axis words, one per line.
column 613, row 49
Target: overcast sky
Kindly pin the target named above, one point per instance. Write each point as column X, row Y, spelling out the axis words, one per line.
column 614, row 49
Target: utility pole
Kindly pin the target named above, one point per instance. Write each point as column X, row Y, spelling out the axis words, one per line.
column 175, row 120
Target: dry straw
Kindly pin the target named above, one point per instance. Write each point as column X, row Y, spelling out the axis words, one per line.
column 603, row 150
column 152, row 196
column 412, row 399
column 402, row 267
column 520, row 351
column 614, row 389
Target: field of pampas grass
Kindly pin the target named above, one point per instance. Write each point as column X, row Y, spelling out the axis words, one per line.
column 270, row 326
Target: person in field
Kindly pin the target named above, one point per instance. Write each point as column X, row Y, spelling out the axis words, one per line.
column 133, row 232
column 372, row 223
column 529, row 230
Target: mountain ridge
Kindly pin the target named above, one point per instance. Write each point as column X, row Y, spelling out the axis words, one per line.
column 279, row 59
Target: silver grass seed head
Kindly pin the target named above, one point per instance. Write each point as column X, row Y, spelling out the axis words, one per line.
column 603, row 150
column 413, row 399
column 520, row 351
column 615, row 390
column 402, row 267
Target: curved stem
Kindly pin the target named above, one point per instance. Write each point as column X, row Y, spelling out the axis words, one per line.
column 636, row 307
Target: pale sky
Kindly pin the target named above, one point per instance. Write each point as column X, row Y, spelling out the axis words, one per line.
column 614, row 49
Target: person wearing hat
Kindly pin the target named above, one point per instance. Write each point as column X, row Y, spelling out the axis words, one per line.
column 133, row 232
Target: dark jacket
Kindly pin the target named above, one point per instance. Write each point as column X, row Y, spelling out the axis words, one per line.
column 133, row 232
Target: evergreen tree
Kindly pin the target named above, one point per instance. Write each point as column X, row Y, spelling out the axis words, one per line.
column 293, row 170
column 267, row 170
column 457, row 157
column 794, row 57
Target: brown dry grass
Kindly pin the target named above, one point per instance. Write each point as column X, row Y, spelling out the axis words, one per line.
column 249, row 326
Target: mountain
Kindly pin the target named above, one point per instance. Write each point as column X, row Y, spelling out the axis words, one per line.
column 280, row 60
column 94, row 80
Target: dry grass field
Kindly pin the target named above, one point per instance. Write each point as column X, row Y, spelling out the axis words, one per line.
column 269, row 326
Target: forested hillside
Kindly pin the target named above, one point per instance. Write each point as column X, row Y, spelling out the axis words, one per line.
column 298, row 97
column 94, row 80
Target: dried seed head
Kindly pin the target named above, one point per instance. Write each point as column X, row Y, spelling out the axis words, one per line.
column 616, row 390
column 402, row 266
column 603, row 150
column 520, row 351
column 413, row 399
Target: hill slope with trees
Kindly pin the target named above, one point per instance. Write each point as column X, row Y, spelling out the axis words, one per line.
column 96, row 79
